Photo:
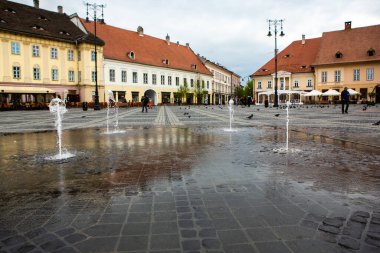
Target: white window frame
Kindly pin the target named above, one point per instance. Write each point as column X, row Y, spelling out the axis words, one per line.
column 324, row 76
column 36, row 73
column 35, row 50
column 71, row 76
column 145, row 78
column 259, row 85
column 53, row 53
column 177, row 81
column 15, row 48
column 154, row 78
column 93, row 76
column 337, row 76
column 54, row 74
column 169, row 80
column 135, row 77
column 112, row 73
column 92, row 55
column 269, row 84
column 16, row 72
column 356, row 74
column 296, row 84
column 162, row 79
column 123, row 76
column 309, row 83
column 70, row 55
column 370, row 74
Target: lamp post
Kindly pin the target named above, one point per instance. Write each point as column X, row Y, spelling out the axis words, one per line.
column 275, row 23
column 95, row 7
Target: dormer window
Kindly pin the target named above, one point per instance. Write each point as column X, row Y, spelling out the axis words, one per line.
column 194, row 66
column 64, row 33
column 42, row 18
column 37, row 27
column 132, row 55
column 338, row 55
column 287, row 56
column 371, row 52
column 165, row 61
column 9, row 10
column 265, row 70
column 303, row 67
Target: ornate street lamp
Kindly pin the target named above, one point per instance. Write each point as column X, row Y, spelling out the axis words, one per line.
column 275, row 23
column 95, row 7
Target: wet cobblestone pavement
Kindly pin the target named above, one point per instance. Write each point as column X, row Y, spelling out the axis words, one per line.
column 174, row 183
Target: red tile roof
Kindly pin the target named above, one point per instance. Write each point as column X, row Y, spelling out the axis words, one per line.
column 26, row 20
column 352, row 43
column 296, row 58
column 148, row 50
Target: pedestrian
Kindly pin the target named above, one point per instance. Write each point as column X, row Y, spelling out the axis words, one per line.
column 145, row 103
column 345, row 96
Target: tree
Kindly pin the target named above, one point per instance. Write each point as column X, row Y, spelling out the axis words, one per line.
column 239, row 92
column 248, row 89
column 183, row 90
column 199, row 91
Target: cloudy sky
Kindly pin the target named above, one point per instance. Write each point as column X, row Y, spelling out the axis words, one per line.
column 230, row 32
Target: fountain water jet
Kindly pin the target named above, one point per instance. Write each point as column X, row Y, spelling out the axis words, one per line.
column 231, row 110
column 112, row 105
column 58, row 107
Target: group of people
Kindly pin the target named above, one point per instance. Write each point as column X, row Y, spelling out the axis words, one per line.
column 144, row 103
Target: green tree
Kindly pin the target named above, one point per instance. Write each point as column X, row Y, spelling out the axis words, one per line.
column 248, row 89
column 239, row 92
column 183, row 90
column 199, row 91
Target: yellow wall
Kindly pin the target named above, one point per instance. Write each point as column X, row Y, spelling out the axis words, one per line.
column 347, row 76
column 26, row 61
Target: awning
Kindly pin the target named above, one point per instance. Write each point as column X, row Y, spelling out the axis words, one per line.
column 26, row 90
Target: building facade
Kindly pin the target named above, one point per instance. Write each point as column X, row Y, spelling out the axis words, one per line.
column 355, row 65
column 43, row 55
column 136, row 64
column 295, row 74
column 328, row 62
column 224, row 82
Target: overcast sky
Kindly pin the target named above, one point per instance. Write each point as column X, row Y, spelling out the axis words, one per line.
column 230, row 32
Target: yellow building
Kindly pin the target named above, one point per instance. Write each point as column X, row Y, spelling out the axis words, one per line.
column 350, row 58
column 44, row 54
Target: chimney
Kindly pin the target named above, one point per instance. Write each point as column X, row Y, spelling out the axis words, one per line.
column 303, row 39
column 188, row 45
column 140, row 31
column 347, row 25
column 168, row 39
column 60, row 9
column 36, row 4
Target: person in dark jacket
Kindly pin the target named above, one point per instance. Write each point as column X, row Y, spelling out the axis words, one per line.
column 145, row 101
column 345, row 96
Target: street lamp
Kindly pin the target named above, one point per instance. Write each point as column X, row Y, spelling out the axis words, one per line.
column 95, row 7
column 275, row 23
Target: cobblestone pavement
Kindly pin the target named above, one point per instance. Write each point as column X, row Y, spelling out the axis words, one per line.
column 176, row 181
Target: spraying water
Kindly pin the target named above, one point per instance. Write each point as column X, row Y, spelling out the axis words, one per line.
column 112, row 108
column 287, row 126
column 58, row 107
column 231, row 110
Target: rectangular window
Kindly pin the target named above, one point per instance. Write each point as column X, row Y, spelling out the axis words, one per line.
column 15, row 47
column 54, row 74
column 154, row 79
column 269, row 84
column 370, row 74
column 112, row 75
column 192, row 82
column 356, row 74
column 93, row 76
column 185, row 81
column 145, row 77
column 134, row 77
column 35, row 51
column 124, row 76
column 54, row 53
column 71, row 75
column 309, row 83
column 324, row 76
column 177, row 81
column 79, row 56
column 135, row 96
column 208, row 85
column 79, row 76
column 92, row 55
column 282, row 84
column 36, row 73
column 16, row 72
column 296, row 84
column 169, row 80
column 259, row 85
column 203, row 84
column 70, row 55
column 337, row 76
column 162, row 79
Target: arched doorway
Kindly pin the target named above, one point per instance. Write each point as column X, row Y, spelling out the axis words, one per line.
column 152, row 95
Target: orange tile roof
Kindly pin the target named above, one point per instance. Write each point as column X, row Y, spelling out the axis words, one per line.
column 296, row 58
column 148, row 50
column 352, row 43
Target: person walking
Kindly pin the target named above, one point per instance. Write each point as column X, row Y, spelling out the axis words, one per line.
column 345, row 96
column 145, row 104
